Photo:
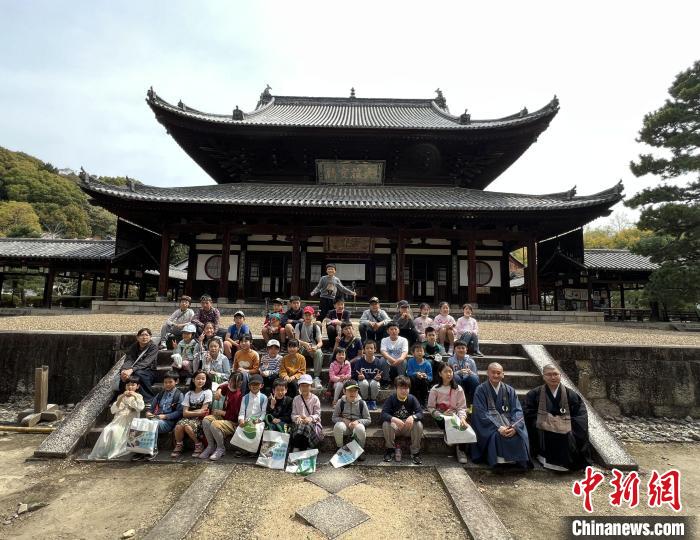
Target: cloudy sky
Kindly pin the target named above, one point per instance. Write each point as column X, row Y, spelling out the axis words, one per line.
column 75, row 73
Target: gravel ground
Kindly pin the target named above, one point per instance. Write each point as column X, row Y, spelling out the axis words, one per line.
column 489, row 330
column 636, row 429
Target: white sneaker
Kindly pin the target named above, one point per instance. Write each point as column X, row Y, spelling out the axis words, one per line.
column 461, row 456
column 317, row 383
column 208, row 451
column 217, row 455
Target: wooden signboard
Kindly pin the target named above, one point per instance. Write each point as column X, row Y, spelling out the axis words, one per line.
column 352, row 172
column 349, row 244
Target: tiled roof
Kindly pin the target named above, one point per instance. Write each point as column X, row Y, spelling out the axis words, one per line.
column 44, row 248
column 353, row 197
column 616, row 259
column 353, row 113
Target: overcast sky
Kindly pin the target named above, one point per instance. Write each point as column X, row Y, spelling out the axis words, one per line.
column 74, row 74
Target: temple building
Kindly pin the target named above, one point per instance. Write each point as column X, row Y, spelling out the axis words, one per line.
column 390, row 190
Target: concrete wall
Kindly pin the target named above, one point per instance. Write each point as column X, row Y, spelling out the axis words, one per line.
column 634, row 380
column 76, row 361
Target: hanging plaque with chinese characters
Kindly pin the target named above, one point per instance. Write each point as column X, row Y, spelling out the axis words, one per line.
column 349, row 172
column 349, row 244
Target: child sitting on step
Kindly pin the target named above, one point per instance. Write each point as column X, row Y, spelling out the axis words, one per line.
column 112, row 441
column 351, row 415
column 222, row 422
column 338, row 374
column 253, row 407
column 420, row 371
column 195, row 407
column 166, row 407
column 445, row 323
column 402, row 415
column 447, row 398
column 185, row 353
column 279, row 407
column 467, row 330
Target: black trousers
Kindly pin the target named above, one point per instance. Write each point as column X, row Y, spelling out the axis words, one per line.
column 420, row 389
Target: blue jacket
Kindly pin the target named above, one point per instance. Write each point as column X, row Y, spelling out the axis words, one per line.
column 414, row 367
column 173, row 412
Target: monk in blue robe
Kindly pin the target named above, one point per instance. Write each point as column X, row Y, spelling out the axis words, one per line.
column 557, row 421
column 497, row 418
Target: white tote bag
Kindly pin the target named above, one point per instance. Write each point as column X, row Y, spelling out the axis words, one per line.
column 455, row 433
column 273, row 451
column 143, row 436
column 346, row 454
column 302, row 463
column 248, row 437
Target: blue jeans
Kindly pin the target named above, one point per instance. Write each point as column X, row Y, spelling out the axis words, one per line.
column 165, row 426
column 468, row 384
column 472, row 341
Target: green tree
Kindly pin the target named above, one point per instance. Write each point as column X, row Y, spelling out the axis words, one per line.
column 18, row 219
column 671, row 209
column 608, row 238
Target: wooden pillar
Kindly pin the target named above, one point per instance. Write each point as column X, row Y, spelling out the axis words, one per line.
column 48, row 287
column 471, row 271
column 191, row 267
column 80, row 287
column 105, row 283
column 505, row 276
column 142, row 288
column 93, row 291
column 296, row 265
column 164, row 269
column 223, row 278
column 242, row 269
column 400, row 263
column 121, row 286
column 533, row 285
column 590, row 292
column 622, row 295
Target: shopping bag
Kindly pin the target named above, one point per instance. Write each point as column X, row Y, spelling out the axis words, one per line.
column 143, row 436
column 273, row 450
column 347, row 454
column 455, row 433
column 302, row 463
column 248, row 437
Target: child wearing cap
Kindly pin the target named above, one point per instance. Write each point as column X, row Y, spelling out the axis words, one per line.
column 277, row 309
column 423, row 321
column 246, row 361
column 467, row 329
column 233, row 334
column 253, row 407
column 420, row 371
column 276, row 329
column 308, row 333
column 402, row 415
column 404, row 320
column 350, row 416
column 334, row 319
column 329, row 286
column 373, row 322
column 306, row 416
column 293, row 316
column 175, row 324
column 394, row 349
column 270, row 365
column 293, row 366
column 184, row 355
column 338, row 374
column 370, row 373
column 279, row 406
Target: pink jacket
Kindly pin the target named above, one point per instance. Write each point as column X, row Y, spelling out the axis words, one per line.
column 467, row 325
column 335, row 371
column 442, row 398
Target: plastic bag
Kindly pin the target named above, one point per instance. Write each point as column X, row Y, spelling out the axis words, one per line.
column 302, row 463
column 347, row 454
column 143, row 436
column 248, row 437
column 455, row 433
column 273, row 450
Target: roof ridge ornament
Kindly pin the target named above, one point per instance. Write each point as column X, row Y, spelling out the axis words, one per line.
column 571, row 193
column 130, row 184
column 181, row 105
column 440, row 100
column 465, row 117
column 151, row 94
column 352, row 93
column 523, row 112
column 237, row 114
column 554, row 104
column 265, row 97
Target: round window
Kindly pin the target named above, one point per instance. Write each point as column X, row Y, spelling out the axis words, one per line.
column 484, row 273
column 212, row 267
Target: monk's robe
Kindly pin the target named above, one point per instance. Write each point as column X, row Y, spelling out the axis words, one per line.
column 558, row 428
column 490, row 411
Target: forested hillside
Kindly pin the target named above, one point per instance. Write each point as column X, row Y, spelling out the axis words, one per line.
column 35, row 200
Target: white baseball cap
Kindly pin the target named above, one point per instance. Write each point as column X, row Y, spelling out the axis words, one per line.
column 306, row 379
column 273, row 343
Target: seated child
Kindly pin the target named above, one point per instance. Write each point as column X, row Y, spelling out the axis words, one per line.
column 222, row 422
column 467, row 330
column 371, row 373
column 293, row 366
column 246, row 361
column 433, row 350
column 277, row 309
column 166, row 407
column 279, row 407
column 349, row 341
column 195, row 407
column 215, row 363
column 351, row 415
column 293, row 316
column 338, row 374
column 307, row 431
column 402, row 415
column 253, row 407
column 233, row 335
column 445, row 323
column 464, row 369
column 270, row 365
column 275, row 329
column 420, row 372
column 423, row 321
column 112, row 441
column 447, row 398
column 185, row 353
column 404, row 320
column 334, row 319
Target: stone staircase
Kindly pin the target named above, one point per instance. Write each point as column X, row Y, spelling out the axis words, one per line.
column 521, row 373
